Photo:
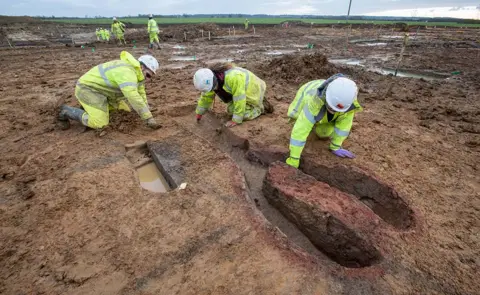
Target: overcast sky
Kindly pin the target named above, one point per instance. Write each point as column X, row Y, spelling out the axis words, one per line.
column 129, row 7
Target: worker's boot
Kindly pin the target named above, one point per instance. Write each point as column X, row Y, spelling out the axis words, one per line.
column 267, row 106
column 68, row 113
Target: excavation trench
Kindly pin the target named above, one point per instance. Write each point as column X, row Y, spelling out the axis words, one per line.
column 210, row 128
column 380, row 197
column 341, row 227
column 339, row 243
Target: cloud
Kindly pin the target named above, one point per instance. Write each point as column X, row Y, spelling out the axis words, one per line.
column 81, row 8
column 303, row 9
column 469, row 12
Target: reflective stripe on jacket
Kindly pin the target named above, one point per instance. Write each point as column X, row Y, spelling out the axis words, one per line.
column 309, row 108
column 119, row 80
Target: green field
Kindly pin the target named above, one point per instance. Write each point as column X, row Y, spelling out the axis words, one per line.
column 235, row 20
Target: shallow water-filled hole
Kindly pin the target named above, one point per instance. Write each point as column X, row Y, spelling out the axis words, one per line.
column 152, row 179
column 280, row 52
column 151, row 174
column 183, row 58
column 220, row 60
column 402, row 73
column 426, row 75
column 373, row 44
column 347, row 61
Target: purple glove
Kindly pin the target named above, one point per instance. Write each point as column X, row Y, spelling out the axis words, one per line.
column 343, row 154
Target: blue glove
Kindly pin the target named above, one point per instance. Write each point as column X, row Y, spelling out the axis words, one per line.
column 342, row 153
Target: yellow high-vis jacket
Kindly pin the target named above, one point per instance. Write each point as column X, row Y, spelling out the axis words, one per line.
column 118, row 80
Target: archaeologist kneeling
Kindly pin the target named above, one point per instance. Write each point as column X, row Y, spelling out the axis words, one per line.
column 239, row 88
column 111, row 86
column 330, row 106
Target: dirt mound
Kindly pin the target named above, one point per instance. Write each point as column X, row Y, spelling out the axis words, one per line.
column 296, row 23
column 191, row 31
column 299, row 68
column 207, row 27
column 17, row 19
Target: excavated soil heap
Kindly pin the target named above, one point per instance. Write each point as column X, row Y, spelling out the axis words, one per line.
column 299, row 68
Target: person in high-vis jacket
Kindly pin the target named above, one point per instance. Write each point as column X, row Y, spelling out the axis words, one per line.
column 239, row 88
column 329, row 106
column 114, row 85
column 107, row 35
column 153, row 32
column 246, row 23
column 98, row 33
column 118, row 30
column 103, row 35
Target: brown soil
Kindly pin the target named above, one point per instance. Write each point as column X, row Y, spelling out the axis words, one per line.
column 404, row 215
column 308, row 67
column 18, row 19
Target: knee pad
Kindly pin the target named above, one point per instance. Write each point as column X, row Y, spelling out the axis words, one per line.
column 95, row 122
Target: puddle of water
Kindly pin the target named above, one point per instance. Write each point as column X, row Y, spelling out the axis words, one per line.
column 392, row 37
column 220, row 60
column 381, row 57
column 280, row 52
column 179, row 53
column 183, row 58
column 347, row 61
column 387, row 71
column 232, row 45
column 300, row 46
column 373, row 44
column 151, row 179
column 175, row 66
column 238, row 51
column 179, row 47
column 364, row 41
column 407, row 74
column 272, row 46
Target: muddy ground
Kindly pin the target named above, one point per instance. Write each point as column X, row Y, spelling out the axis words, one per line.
column 401, row 218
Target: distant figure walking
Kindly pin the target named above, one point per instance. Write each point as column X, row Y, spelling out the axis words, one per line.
column 118, row 30
column 153, row 32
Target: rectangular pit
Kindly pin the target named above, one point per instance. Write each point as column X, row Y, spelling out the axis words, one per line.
column 166, row 156
column 380, row 197
column 332, row 221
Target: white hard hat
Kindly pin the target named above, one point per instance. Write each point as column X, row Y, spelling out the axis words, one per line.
column 114, row 18
column 150, row 15
column 150, row 62
column 203, row 80
column 341, row 93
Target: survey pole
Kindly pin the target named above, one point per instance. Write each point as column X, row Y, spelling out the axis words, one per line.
column 349, row 6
